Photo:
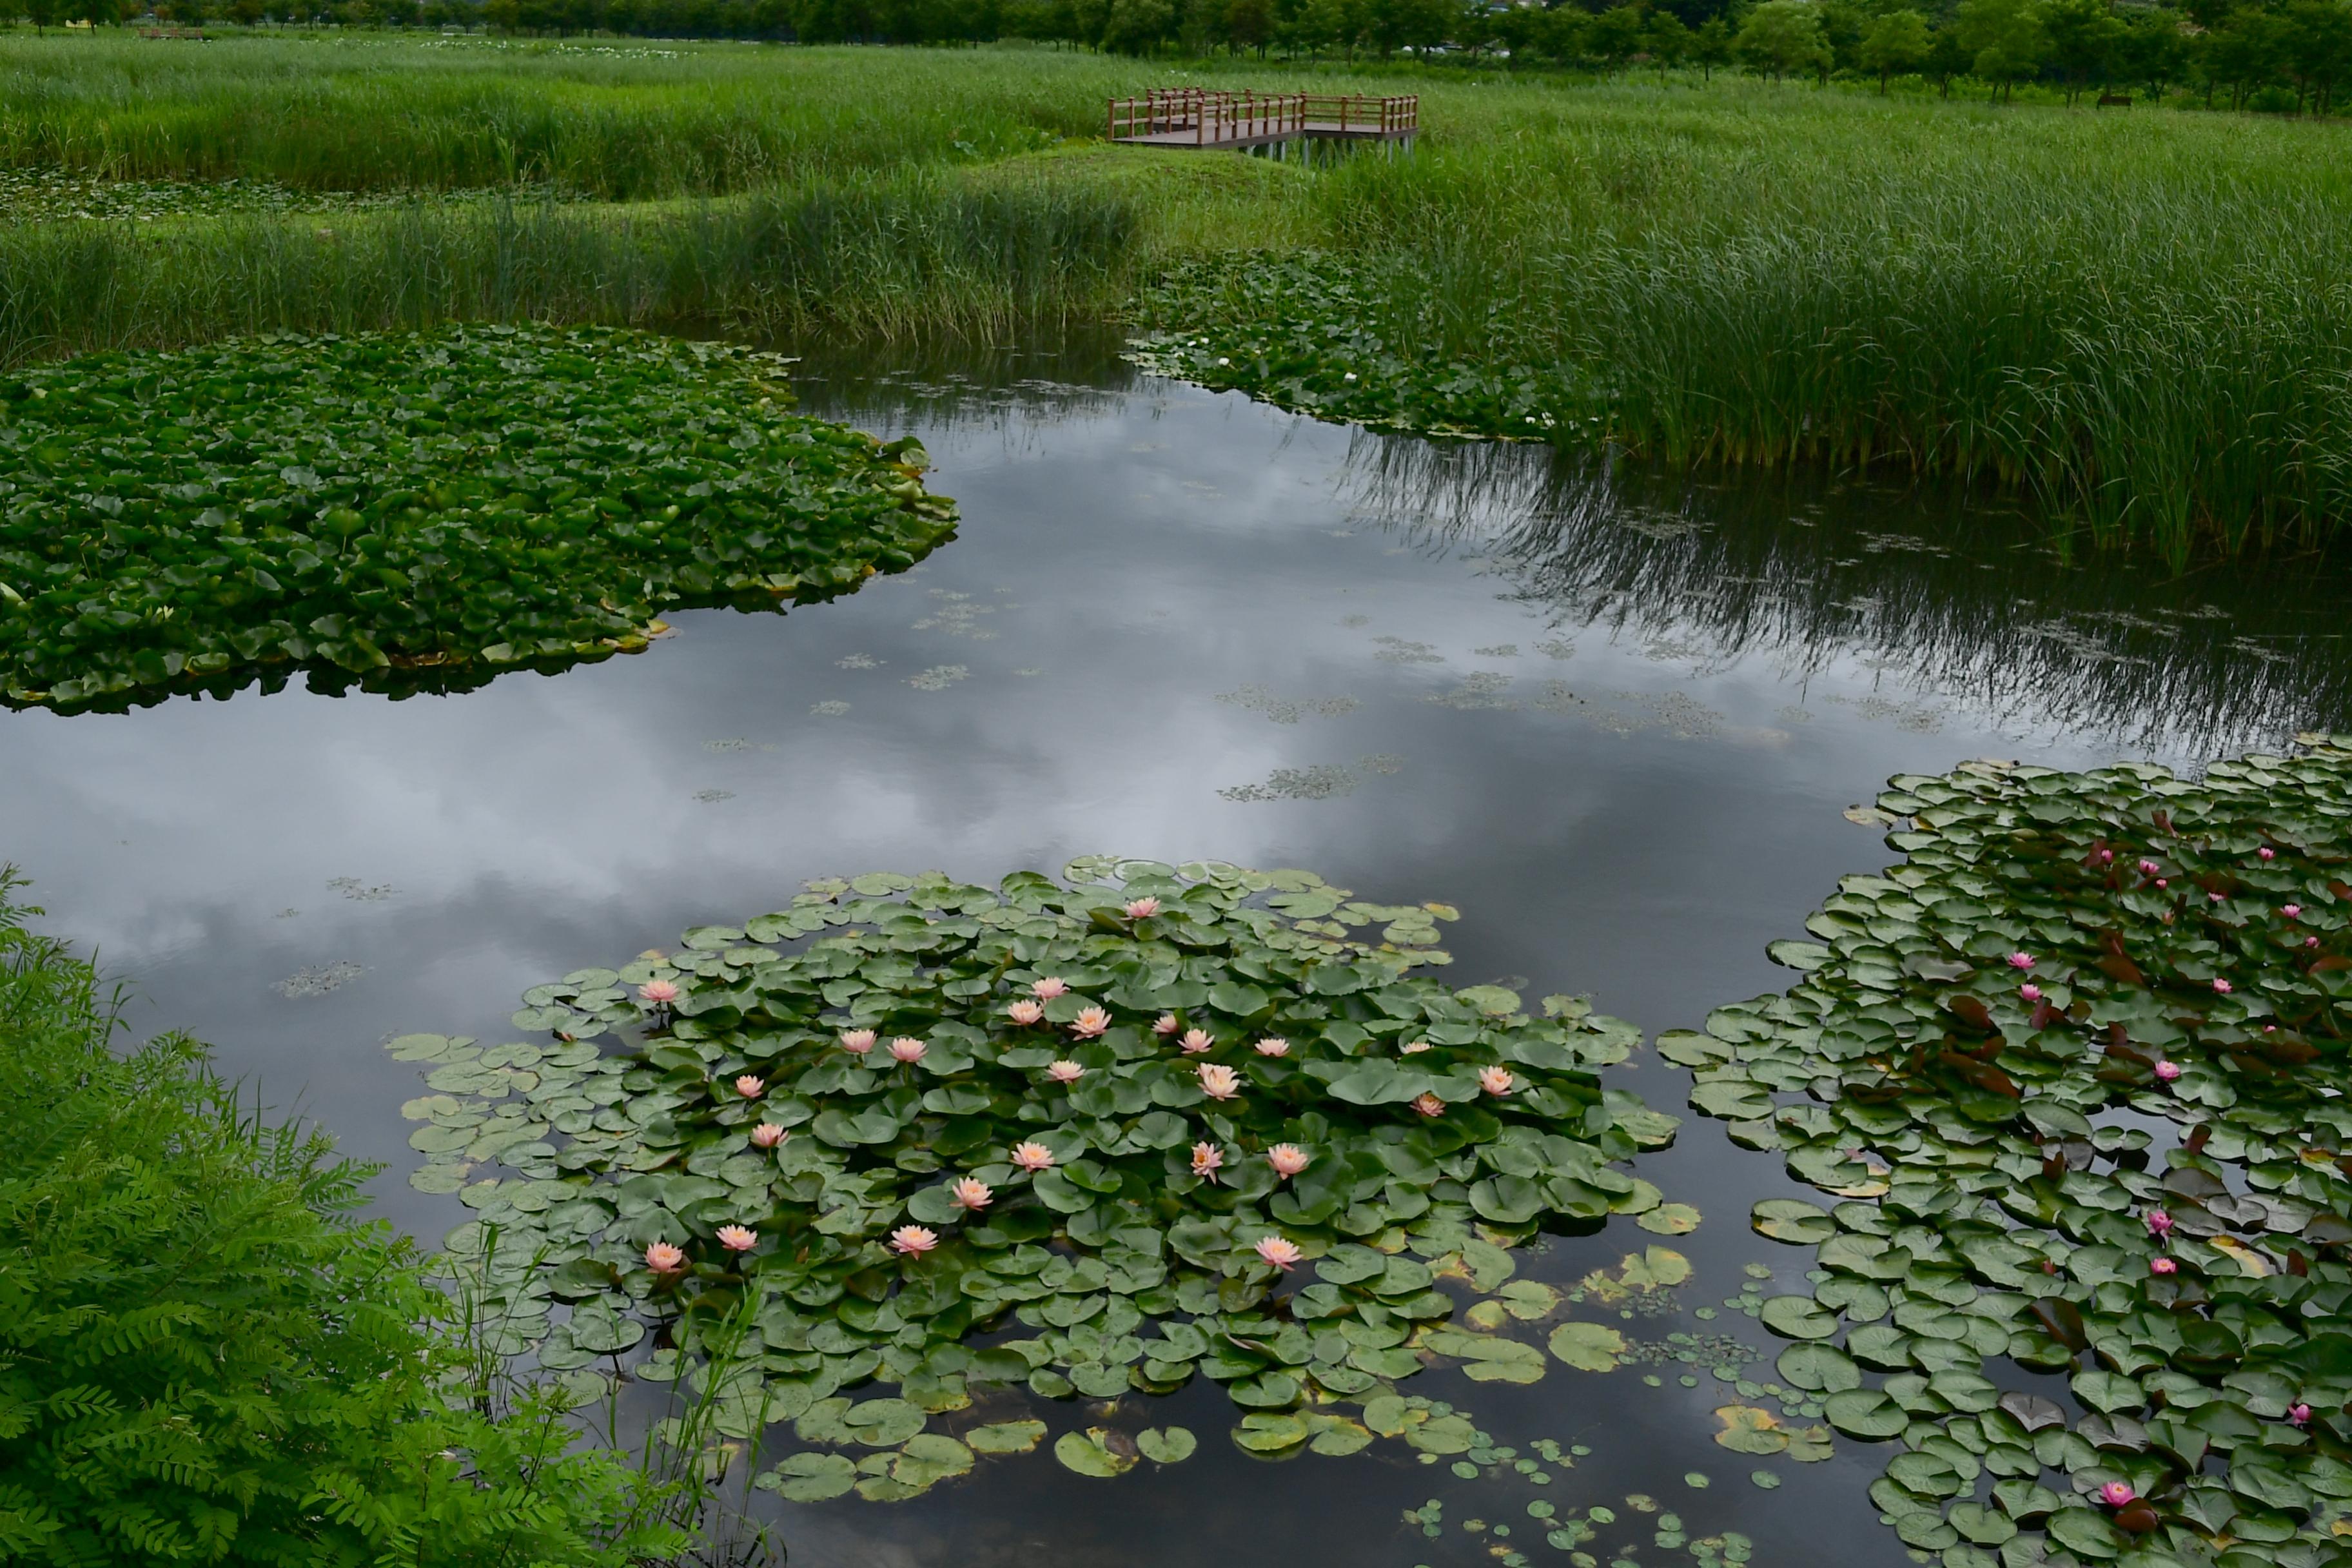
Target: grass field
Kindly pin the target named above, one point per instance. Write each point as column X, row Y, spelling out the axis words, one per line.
column 2135, row 317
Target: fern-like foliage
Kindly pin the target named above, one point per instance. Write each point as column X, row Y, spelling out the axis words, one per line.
column 206, row 1358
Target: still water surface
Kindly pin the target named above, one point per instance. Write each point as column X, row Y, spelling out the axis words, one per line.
column 1618, row 720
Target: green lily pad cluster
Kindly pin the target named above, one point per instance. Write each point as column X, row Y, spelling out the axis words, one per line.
column 1095, row 1138
column 1304, row 331
column 2077, row 1068
column 419, row 510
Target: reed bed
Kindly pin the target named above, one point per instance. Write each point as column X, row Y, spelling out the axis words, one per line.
column 892, row 257
column 2134, row 318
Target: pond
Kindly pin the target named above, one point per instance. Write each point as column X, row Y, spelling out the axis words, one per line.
column 1630, row 727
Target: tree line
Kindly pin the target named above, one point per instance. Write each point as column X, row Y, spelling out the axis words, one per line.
column 2280, row 54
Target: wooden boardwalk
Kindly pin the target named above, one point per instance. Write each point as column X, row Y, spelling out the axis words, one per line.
column 1198, row 119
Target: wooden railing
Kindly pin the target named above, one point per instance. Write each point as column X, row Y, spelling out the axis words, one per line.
column 1362, row 112
column 1209, row 118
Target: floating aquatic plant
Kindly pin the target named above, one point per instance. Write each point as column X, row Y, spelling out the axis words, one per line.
column 1097, row 1136
column 2078, row 1068
column 1297, row 331
column 415, row 510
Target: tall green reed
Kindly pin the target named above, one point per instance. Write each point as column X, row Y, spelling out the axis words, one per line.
column 2143, row 327
column 883, row 258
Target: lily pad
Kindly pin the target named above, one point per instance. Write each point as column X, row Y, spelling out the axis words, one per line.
column 1799, row 1318
column 458, row 546
column 1820, row 1368
column 1792, row 1220
column 1166, row 1445
column 1865, row 1413
column 1095, row 1452
column 811, row 1478
column 1588, row 1347
column 1005, row 1438
column 960, row 1137
column 1988, row 1033
column 1670, row 1219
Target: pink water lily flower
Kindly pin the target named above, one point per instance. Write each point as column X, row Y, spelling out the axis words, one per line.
column 971, row 1193
column 749, row 1087
column 1053, row 986
column 2299, row 1415
column 1279, row 1251
column 2267, row 853
column 2168, row 1069
column 663, row 1259
column 914, row 1240
column 1065, row 1072
column 2029, row 993
column 2149, row 868
column 2292, row 911
column 1412, row 1047
column 1032, row 1156
column 2163, row 1266
column 2221, row 985
column 1287, row 1160
column 1207, row 1161
column 1142, row 909
column 660, row 993
column 1273, row 1046
column 2311, row 941
column 1496, row 1081
column 907, row 1049
column 857, row 1042
column 2117, row 1494
column 1218, row 1082
column 2163, row 882
column 2213, row 898
column 2021, row 960
column 1429, row 1104
column 2159, row 1224
column 1195, row 1041
column 1166, row 1023
column 737, row 1238
column 1026, row 1012
column 2107, row 857
column 1090, row 1022
column 767, row 1135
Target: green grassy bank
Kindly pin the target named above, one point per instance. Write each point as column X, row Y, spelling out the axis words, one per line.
column 2133, row 317
column 204, row 1358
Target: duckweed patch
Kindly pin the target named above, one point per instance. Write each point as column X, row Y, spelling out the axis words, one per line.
column 415, row 510
column 2076, row 1071
column 854, row 1163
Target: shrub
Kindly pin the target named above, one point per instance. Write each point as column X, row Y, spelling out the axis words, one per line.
column 204, row 1358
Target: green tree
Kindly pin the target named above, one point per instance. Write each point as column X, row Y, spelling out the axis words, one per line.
column 1666, row 41
column 2079, row 41
column 1947, row 56
column 2004, row 38
column 1565, row 35
column 1249, row 23
column 2245, row 52
column 1896, row 42
column 1137, row 26
column 2316, row 48
column 2153, row 50
column 1843, row 23
column 1783, row 36
column 1711, row 46
column 1614, row 36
